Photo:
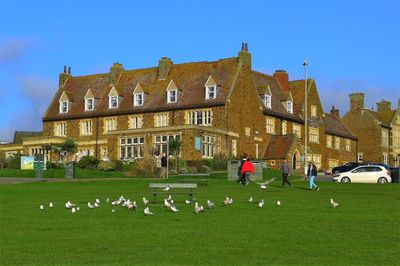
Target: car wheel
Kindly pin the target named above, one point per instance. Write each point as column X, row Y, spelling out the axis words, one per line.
column 382, row 180
column 345, row 180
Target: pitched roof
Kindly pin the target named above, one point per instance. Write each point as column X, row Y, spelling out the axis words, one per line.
column 190, row 78
column 382, row 117
column 279, row 146
column 262, row 81
column 386, row 116
column 334, row 126
column 20, row 135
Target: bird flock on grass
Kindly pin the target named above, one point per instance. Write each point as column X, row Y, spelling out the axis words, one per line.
column 168, row 203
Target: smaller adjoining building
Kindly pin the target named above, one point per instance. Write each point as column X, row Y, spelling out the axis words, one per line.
column 378, row 131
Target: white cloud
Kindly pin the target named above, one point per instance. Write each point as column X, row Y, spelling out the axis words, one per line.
column 13, row 49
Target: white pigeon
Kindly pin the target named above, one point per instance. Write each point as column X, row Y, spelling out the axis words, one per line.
column 226, row 201
column 173, row 208
column 107, row 200
column 145, row 201
column 121, row 198
column 73, row 210
column 147, row 211
column 51, row 204
column 230, row 200
column 78, row 209
column 264, row 185
column 69, row 205
column 261, row 203
column 113, row 210
column 198, row 209
column 167, row 204
column 90, row 206
column 166, row 188
column 188, row 202
column 96, row 205
column 210, row 204
column 98, row 201
column 169, row 198
column 334, row 204
column 278, row 203
column 41, row 207
column 250, row 199
column 116, row 202
column 132, row 206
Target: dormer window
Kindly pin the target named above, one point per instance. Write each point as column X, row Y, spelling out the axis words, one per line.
column 290, row 107
column 211, row 92
column 89, row 104
column 63, row 107
column 172, row 96
column 138, row 99
column 113, row 101
column 266, row 99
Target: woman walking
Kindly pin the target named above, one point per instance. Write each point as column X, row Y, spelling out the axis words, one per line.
column 312, row 174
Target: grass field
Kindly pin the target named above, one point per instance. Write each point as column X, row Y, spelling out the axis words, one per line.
column 365, row 229
column 60, row 173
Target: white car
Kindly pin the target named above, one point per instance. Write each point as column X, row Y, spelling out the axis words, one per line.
column 365, row 174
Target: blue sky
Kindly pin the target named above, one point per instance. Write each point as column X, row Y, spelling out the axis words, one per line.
column 351, row 46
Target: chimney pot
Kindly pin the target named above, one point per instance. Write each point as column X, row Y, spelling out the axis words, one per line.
column 335, row 112
column 69, row 70
column 283, row 79
column 65, row 69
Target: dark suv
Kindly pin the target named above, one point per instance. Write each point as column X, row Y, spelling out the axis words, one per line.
column 346, row 167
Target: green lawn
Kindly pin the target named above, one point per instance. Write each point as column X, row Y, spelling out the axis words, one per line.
column 365, row 229
column 60, row 173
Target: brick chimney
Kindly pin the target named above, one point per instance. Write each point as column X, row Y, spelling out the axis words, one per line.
column 64, row 76
column 115, row 71
column 244, row 55
column 335, row 112
column 283, row 79
column 384, row 106
column 356, row 101
column 164, row 65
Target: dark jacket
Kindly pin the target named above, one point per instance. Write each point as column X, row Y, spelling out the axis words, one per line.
column 163, row 161
column 285, row 168
column 312, row 170
column 240, row 167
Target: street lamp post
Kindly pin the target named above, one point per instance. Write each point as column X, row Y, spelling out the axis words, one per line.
column 305, row 64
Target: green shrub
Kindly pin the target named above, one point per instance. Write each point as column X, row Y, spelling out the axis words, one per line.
column 14, row 162
column 52, row 165
column 119, row 165
column 106, row 166
column 88, row 162
column 127, row 167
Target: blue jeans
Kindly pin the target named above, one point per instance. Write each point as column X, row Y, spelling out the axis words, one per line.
column 312, row 182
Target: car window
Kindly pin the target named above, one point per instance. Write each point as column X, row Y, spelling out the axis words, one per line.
column 359, row 170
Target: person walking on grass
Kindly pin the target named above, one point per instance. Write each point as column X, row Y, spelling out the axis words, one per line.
column 158, row 165
column 241, row 176
column 312, row 174
column 247, row 170
column 164, row 165
column 285, row 173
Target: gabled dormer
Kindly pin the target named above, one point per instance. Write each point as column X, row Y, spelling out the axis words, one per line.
column 114, row 98
column 266, row 97
column 90, row 100
column 287, row 101
column 211, row 89
column 172, row 92
column 139, row 95
column 65, row 102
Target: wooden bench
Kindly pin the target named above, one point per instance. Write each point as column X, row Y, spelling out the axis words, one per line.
column 195, row 178
column 174, row 188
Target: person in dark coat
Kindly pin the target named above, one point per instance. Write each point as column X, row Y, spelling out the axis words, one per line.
column 285, row 173
column 164, row 165
column 241, row 176
column 312, row 174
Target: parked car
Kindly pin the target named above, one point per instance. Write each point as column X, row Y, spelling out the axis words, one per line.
column 346, row 167
column 365, row 174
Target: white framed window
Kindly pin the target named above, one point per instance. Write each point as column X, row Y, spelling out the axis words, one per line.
column 89, row 104
column 313, row 110
column 270, row 125
column 113, row 101
column 110, row 124
column 63, row 107
column 317, row 160
column 347, row 145
column 209, row 146
column 161, row 120
column 172, row 96
column 360, row 157
column 211, row 92
column 385, row 158
column 161, row 143
column 266, row 99
column 313, row 134
column 60, row 129
column 332, row 163
column 199, row 117
column 385, row 137
column 234, row 148
column 85, row 127
column 337, row 143
column 329, row 141
column 131, row 148
column 138, row 99
column 290, row 107
column 135, row 121
column 284, row 127
column 297, row 130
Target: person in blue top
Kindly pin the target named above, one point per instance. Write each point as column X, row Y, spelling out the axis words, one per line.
column 312, row 174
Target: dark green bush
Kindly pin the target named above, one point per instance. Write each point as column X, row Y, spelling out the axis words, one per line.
column 119, row 165
column 14, row 162
column 88, row 162
column 106, row 166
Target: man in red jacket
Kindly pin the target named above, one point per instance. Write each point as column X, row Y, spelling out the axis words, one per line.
column 247, row 169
